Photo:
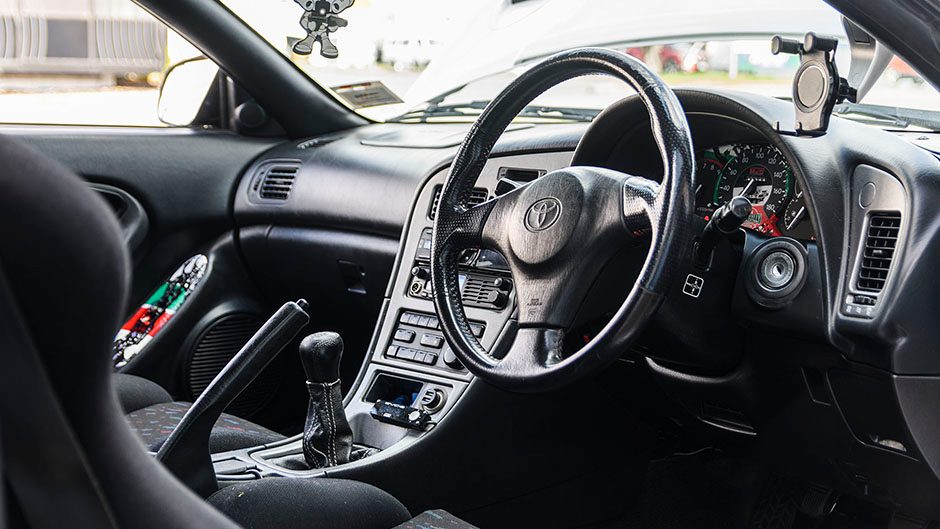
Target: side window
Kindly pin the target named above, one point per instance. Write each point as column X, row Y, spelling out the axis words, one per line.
column 83, row 62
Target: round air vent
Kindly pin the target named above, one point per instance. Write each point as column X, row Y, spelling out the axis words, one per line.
column 217, row 344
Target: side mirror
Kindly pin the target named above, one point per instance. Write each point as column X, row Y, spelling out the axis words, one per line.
column 184, row 90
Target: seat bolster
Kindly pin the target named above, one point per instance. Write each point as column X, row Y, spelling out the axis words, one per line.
column 309, row 503
column 155, row 423
column 135, row 393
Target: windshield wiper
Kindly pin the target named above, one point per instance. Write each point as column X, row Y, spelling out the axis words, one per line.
column 891, row 116
column 572, row 114
column 436, row 110
column 474, row 108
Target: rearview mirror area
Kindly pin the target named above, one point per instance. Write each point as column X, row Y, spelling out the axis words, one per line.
column 184, row 90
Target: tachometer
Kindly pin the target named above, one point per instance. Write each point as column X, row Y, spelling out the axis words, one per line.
column 761, row 173
column 708, row 173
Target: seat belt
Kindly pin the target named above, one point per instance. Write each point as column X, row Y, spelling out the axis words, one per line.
column 43, row 461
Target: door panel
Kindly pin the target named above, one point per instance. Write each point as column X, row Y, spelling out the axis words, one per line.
column 183, row 179
column 172, row 193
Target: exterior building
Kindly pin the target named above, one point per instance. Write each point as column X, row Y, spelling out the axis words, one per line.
column 106, row 41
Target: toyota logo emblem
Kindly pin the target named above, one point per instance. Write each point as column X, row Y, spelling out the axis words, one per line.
column 543, row 214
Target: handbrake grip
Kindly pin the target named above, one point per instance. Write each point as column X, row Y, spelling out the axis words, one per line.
column 186, row 451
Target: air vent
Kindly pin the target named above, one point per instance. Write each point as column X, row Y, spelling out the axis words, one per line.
column 880, row 244
column 477, row 290
column 511, row 178
column 275, row 180
column 477, row 196
column 213, row 350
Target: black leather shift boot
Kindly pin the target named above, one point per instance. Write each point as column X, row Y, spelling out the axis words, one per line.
column 327, row 435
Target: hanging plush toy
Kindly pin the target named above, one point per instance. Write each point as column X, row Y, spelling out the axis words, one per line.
column 319, row 20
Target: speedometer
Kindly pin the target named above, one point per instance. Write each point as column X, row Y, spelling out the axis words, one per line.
column 761, row 173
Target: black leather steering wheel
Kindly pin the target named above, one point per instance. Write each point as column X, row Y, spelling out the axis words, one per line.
column 558, row 231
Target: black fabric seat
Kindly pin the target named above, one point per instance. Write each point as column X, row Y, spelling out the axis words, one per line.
column 153, row 414
column 69, row 458
column 273, row 503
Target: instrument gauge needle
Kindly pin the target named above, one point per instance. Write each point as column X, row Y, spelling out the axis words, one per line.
column 796, row 218
column 747, row 188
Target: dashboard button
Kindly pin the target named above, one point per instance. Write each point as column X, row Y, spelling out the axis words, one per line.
column 867, row 195
column 404, row 335
column 432, row 340
column 451, row 360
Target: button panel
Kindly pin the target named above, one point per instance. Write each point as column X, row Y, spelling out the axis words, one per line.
column 414, row 324
column 411, row 355
column 427, row 321
column 485, row 291
column 860, row 305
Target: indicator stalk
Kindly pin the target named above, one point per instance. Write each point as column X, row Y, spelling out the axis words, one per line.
column 723, row 223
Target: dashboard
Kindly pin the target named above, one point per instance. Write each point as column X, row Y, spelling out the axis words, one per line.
column 762, row 174
column 837, row 376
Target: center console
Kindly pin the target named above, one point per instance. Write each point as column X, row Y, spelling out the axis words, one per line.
column 409, row 365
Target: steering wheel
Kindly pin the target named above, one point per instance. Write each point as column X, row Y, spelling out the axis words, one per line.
column 559, row 231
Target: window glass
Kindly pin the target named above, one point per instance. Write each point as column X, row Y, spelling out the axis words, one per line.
column 394, row 59
column 83, row 62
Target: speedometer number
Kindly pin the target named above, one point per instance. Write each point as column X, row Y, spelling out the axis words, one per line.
column 760, row 172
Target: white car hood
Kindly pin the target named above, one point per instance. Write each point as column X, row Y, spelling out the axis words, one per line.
column 500, row 35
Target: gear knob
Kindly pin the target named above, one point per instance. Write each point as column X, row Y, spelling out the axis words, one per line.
column 320, row 354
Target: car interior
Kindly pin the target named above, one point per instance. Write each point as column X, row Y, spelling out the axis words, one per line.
column 697, row 308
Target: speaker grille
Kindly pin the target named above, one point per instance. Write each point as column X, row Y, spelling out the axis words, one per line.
column 213, row 350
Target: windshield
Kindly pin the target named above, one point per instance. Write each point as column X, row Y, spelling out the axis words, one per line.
column 443, row 60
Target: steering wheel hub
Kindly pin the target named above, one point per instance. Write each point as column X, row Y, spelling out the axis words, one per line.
column 546, row 215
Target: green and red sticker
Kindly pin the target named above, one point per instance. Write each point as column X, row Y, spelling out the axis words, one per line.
column 158, row 310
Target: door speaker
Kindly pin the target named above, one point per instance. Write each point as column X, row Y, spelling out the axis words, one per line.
column 213, row 349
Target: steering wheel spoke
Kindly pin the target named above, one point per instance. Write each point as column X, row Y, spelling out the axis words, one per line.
column 535, row 349
column 640, row 208
column 463, row 226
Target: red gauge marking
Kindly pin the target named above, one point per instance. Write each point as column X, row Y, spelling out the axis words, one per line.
column 762, row 223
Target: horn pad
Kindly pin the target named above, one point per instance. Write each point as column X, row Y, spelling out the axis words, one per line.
column 545, row 217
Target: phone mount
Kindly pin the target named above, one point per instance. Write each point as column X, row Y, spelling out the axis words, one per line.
column 817, row 87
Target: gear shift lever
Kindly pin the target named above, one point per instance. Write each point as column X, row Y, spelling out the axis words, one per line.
column 327, row 435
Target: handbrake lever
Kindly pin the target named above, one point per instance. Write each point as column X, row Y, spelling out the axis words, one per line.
column 186, row 450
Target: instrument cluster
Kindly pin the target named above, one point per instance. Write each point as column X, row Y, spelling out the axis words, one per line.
column 762, row 174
